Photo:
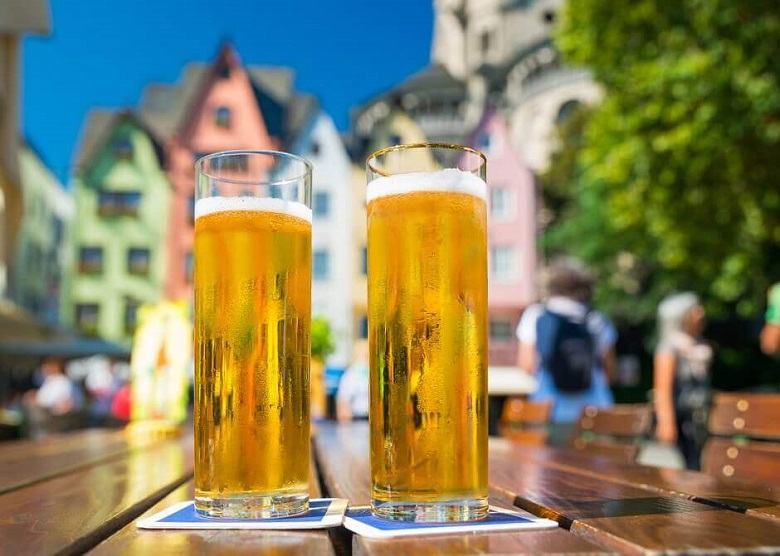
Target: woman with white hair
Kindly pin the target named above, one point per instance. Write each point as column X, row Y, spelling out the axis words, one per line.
column 681, row 388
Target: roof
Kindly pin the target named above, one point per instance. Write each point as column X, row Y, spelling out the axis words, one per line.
column 300, row 111
column 277, row 81
column 430, row 79
column 164, row 107
column 25, row 16
column 99, row 124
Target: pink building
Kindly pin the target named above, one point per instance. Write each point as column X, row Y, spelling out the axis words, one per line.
column 216, row 107
column 511, row 236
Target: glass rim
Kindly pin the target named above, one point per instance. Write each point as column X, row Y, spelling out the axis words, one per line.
column 307, row 166
column 410, row 146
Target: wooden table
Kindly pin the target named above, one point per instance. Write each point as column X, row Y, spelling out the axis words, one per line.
column 84, row 491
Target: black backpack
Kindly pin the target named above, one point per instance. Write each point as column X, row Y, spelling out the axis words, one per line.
column 567, row 350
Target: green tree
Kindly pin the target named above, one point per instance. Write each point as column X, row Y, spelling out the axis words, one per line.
column 677, row 180
column 322, row 341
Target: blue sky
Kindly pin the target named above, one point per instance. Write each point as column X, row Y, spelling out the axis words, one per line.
column 102, row 53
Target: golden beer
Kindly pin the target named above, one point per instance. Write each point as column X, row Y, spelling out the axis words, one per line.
column 252, row 325
column 427, row 300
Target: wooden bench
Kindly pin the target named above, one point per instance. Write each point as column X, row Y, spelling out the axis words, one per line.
column 615, row 432
column 525, row 421
column 743, row 426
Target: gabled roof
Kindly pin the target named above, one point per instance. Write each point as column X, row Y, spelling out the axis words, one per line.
column 98, row 126
column 164, row 107
column 435, row 77
column 277, row 82
column 300, row 111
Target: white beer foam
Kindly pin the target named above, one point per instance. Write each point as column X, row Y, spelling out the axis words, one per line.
column 450, row 180
column 210, row 205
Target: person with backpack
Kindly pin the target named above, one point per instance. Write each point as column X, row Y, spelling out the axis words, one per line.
column 568, row 345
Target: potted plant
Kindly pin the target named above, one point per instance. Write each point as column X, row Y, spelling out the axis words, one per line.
column 322, row 345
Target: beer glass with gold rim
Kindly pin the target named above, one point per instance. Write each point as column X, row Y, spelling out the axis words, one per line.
column 252, row 284
column 427, row 320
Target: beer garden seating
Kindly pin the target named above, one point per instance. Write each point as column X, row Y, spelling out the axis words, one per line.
column 745, row 441
column 616, row 432
column 525, row 421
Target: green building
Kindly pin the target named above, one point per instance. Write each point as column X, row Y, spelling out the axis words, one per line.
column 40, row 247
column 117, row 241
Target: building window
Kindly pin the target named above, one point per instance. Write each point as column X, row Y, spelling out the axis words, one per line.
column 483, row 142
column 123, row 150
column 549, row 17
column 321, row 265
column 501, row 330
column 118, row 203
column 138, row 260
column 224, row 72
column 131, row 315
column 234, row 163
column 500, row 203
column 222, row 117
column 566, row 110
column 363, row 327
column 191, row 208
column 314, row 150
column 87, row 316
column 395, row 139
column 484, row 42
column 189, row 267
column 90, row 260
column 321, row 204
column 364, row 261
column 502, row 263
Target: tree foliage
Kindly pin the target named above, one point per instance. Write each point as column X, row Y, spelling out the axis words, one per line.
column 674, row 180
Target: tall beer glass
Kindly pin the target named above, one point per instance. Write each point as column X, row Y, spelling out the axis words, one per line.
column 427, row 319
column 252, row 326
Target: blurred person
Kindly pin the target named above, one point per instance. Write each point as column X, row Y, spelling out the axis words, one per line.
column 681, row 382
column 352, row 396
column 57, row 393
column 101, row 384
column 568, row 345
column 770, row 333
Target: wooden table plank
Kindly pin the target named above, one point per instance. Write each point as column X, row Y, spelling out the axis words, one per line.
column 761, row 500
column 27, row 462
column 55, row 443
column 131, row 540
column 626, row 518
column 73, row 512
column 342, row 455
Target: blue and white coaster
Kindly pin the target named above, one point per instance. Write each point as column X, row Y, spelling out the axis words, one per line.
column 323, row 513
column 361, row 521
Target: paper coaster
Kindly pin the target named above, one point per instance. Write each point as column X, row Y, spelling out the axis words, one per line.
column 361, row 521
column 323, row 513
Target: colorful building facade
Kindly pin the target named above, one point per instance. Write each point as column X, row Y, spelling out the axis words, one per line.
column 511, row 235
column 332, row 262
column 17, row 19
column 40, row 254
column 117, row 241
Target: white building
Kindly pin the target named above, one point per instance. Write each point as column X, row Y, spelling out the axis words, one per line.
column 502, row 50
column 320, row 143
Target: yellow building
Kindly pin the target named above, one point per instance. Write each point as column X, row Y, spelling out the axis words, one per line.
column 395, row 129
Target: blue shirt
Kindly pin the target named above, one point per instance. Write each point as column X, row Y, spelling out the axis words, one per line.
column 567, row 406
